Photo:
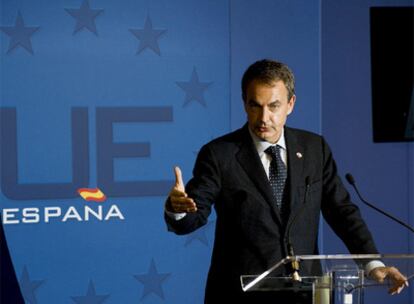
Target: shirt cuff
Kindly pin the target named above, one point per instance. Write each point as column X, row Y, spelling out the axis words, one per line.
column 372, row 265
column 175, row 216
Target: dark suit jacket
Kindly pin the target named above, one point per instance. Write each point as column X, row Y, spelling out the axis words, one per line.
column 9, row 287
column 250, row 234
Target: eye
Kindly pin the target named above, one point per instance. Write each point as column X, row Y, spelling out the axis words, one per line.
column 274, row 106
column 253, row 104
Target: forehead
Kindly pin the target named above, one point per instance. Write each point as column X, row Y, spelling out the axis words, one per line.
column 276, row 90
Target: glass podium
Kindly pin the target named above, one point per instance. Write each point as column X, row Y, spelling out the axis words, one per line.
column 334, row 279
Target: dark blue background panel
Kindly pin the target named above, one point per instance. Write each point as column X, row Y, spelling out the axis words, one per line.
column 384, row 172
column 109, row 95
column 288, row 31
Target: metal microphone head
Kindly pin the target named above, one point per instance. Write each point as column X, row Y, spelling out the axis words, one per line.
column 296, row 277
column 350, row 179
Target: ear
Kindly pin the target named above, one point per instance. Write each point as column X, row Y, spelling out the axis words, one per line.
column 291, row 104
column 244, row 102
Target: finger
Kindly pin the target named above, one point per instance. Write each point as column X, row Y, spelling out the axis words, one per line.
column 190, row 210
column 396, row 276
column 393, row 290
column 175, row 192
column 396, row 290
column 398, row 286
column 182, row 201
column 184, row 208
column 183, row 204
column 178, row 178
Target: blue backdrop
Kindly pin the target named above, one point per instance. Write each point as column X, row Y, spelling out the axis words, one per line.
column 113, row 94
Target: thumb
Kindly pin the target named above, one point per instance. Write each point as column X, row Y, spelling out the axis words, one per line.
column 178, row 178
column 380, row 274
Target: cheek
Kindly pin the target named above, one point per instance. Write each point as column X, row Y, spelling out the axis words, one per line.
column 279, row 118
column 251, row 116
column 276, row 119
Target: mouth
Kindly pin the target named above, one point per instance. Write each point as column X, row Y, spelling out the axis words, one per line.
column 262, row 129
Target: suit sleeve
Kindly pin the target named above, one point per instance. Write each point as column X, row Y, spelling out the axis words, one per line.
column 9, row 286
column 341, row 214
column 204, row 188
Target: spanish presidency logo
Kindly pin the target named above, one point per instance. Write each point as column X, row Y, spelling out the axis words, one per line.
column 94, row 195
column 56, row 214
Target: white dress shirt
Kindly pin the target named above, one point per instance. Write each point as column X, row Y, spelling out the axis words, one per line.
column 262, row 145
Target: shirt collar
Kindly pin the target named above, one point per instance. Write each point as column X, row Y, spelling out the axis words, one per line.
column 262, row 145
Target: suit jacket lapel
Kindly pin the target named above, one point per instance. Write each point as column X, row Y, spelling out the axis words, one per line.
column 251, row 163
column 295, row 170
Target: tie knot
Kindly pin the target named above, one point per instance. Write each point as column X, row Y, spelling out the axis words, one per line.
column 273, row 151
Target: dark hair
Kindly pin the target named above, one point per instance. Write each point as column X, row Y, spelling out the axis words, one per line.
column 269, row 71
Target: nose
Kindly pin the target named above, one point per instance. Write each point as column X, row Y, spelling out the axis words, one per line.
column 264, row 115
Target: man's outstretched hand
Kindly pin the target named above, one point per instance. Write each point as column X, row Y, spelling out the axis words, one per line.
column 179, row 201
column 397, row 280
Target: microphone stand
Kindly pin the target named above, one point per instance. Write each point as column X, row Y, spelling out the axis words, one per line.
column 295, row 263
column 351, row 181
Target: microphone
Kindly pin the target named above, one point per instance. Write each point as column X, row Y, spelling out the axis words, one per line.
column 295, row 264
column 351, row 181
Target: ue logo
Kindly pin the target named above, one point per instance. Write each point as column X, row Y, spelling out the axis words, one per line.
column 107, row 151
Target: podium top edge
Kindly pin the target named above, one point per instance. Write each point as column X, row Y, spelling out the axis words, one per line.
column 348, row 256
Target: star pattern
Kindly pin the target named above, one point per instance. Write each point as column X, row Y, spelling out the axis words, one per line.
column 194, row 89
column 28, row 287
column 91, row 297
column 152, row 281
column 199, row 235
column 148, row 37
column 85, row 17
column 19, row 34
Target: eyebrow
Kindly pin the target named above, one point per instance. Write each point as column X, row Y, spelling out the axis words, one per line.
column 254, row 102
column 275, row 102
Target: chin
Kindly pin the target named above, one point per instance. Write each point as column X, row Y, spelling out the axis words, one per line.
column 262, row 136
column 269, row 138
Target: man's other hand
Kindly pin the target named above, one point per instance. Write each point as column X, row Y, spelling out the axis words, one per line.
column 179, row 201
column 397, row 280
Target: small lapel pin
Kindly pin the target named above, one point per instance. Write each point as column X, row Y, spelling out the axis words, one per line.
column 299, row 155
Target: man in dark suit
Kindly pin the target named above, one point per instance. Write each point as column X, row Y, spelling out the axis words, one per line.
column 269, row 184
column 9, row 286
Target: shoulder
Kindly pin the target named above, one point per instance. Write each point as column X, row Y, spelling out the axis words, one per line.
column 226, row 146
column 302, row 135
column 307, row 141
column 229, row 140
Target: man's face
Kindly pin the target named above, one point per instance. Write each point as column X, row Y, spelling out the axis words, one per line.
column 267, row 107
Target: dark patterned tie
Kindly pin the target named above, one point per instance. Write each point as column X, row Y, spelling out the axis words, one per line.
column 277, row 174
